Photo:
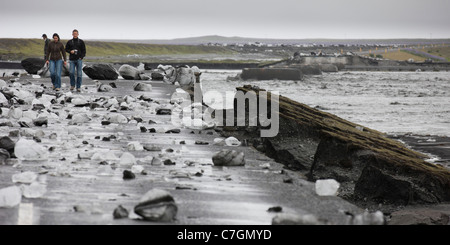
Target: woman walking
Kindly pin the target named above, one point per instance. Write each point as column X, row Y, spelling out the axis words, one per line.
column 55, row 56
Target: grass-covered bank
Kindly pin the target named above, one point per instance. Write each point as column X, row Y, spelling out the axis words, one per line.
column 17, row 49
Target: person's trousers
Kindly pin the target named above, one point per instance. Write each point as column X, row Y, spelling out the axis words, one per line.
column 76, row 65
column 55, row 67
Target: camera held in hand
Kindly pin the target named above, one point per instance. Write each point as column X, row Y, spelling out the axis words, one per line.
column 75, row 51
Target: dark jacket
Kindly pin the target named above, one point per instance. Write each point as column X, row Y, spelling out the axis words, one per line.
column 77, row 44
column 55, row 51
column 47, row 41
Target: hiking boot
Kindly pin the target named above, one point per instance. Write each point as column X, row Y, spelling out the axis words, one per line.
column 72, row 88
column 57, row 89
column 78, row 90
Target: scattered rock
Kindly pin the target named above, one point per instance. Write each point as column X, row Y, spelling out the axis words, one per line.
column 32, row 65
column 38, row 107
column 14, row 133
column 104, row 88
column 157, row 75
column 152, row 148
column 127, row 175
column 327, row 187
column 232, row 141
column 129, row 73
column 37, row 139
column 168, row 162
column 163, row 111
column 6, row 124
column 199, row 142
column 137, row 119
column 4, row 155
column 40, row 121
column 103, row 163
column 144, row 77
column 288, row 180
column 275, row 209
column 120, row 212
column 219, row 141
column 145, row 98
column 7, row 143
column 173, row 131
column 228, row 158
column 23, row 124
column 101, row 72
column 142, row 87
column 157, row 205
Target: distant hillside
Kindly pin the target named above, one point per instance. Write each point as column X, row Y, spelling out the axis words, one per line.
column 17, row 49
column 243, row 40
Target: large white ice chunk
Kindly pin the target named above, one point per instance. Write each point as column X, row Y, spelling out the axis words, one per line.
column 10, row 197
column 127, row 159
column 30, row 150
column 35, row 190
column 327, row 187
column 25, row 177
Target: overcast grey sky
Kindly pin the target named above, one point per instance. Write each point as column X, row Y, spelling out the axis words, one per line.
column 149, row 19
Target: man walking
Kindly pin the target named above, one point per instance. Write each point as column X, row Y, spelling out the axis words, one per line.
column 47, row 41
column 77, row 50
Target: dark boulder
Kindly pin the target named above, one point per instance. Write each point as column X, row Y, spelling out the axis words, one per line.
column 147, row 66
column 129, row 72
column 158, row 75
column 101, row 72
column 32, row 65
column 7, row 144
column 120, row 212
column 40, row 121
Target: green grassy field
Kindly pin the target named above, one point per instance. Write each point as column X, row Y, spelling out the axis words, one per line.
column 442, row 51
column 402, row 56
column 17, row 49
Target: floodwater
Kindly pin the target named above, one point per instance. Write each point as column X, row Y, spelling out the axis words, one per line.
column 390, row 102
